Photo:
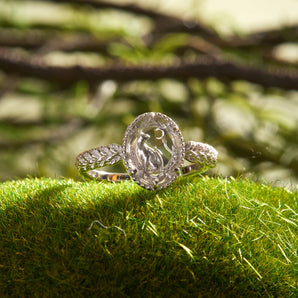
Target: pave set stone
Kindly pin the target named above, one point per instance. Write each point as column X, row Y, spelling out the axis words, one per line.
column 99, row 157
column 201, row 153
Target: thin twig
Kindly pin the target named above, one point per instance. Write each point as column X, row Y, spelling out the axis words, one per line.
column 256, row 153
column 28, row 39
column 264, row 38
column 55, row 137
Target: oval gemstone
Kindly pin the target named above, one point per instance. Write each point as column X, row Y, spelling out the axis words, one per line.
column 153, row 150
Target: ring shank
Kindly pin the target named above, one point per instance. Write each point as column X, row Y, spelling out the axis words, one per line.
column 118, row 177
column 201, row 156
column 108, row 176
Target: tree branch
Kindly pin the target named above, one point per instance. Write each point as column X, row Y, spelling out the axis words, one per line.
column 204, row 68
column 165, row 23
column 172, row 23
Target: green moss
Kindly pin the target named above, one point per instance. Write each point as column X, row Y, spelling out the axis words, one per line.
column 200, row 237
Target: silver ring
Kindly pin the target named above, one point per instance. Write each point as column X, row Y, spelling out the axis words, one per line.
column 153, row 152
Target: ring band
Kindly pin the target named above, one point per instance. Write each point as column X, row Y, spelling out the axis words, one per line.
column 153, row 152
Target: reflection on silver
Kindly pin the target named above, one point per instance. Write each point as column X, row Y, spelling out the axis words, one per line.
column 163, row 139
column 151, row 158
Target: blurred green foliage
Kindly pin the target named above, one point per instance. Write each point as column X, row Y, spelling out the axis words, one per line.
column 44, row 125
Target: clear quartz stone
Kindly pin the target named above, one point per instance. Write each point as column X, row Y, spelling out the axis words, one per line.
column 154, row 149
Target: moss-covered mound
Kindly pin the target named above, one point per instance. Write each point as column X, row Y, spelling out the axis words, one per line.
column 199, row 237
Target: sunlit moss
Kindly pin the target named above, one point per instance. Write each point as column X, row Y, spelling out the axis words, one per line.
column 201, row 236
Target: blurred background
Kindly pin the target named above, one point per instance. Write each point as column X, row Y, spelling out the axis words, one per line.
column 75, row 73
